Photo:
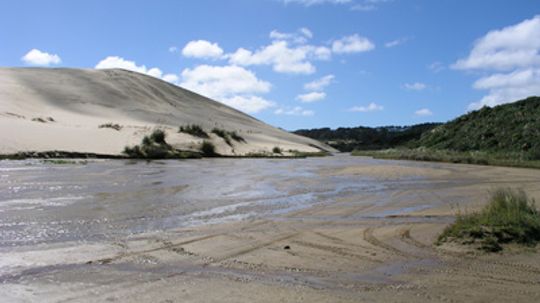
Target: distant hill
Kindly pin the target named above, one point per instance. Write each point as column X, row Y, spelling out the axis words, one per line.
column 512, row 127
column 368, row 138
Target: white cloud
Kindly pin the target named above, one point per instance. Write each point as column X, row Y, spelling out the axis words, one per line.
column 202, row 49
column 396, row 42
column 506, row 49
column 511, row 57
column 352, row 44
column 294, row 111
column 424, row 112
column 319, row 84
column 232, row 85
column 173, row 49
column 248, row 104
column 119, row 62
column 37, row 57
column 301, row 36
column 316, row 2
column 311, row 97
column 418, row 86
column 368, row 5
column 284, row 59
column 364, row 109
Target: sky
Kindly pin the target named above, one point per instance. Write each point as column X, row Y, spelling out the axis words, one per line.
column 298, row 63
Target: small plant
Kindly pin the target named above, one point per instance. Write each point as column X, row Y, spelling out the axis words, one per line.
column 208, row 149
column 276, row 150
column 236, row 137
column 509, row 217
column 114, row 126
column 194, row 130
column 223, row 134
column 158, row 136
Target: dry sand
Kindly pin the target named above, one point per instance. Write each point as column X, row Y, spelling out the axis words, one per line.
column 62, row 109
column 343, row 251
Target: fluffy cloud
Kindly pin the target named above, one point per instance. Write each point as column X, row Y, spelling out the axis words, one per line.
column 368, row 5
column 232, row 85
column 37, row 57
column 119, row 62
column 352, row 44
column 282, row 57
column 319, row 84
column 311, row 97
column 364, row 109
column 512, row 56
column 423, row 112
column 301, row 36
column 202, row 49
column 294, row 111
column 418, row 86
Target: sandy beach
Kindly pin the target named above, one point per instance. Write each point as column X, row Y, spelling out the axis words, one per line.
column 349, row 229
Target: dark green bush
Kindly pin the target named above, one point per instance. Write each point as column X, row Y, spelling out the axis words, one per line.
column 194, row 130
column 158, row 136
column 276, row 150
column 208, row 149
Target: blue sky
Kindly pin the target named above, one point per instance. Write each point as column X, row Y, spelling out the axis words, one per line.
column 298, row 63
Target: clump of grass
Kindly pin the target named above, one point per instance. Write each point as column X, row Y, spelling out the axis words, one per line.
column 236, row 137
column 64, row 162
column 509, row 217
column 228, row 135
column 194, row 130
column 114, row 126
column 301, row 154
column 277, row 150
column 155, row 147
column 208, row 149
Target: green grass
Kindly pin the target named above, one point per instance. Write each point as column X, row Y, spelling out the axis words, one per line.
column 512, row 159
column 155, row 147
column 194, row 130
column 277, row 150
column 509, row 217
column 228, row 135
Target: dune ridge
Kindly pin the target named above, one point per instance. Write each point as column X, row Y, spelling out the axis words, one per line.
column 45, row 109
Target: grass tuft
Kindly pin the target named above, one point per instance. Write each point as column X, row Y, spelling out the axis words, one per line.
column 194, row 130
column 509, row 217
column 208, row 149
column 114, row 126
column 155, row 147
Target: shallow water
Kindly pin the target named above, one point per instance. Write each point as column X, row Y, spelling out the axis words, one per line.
column 107, row 200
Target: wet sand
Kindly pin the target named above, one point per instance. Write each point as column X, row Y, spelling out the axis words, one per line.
column 336, row 229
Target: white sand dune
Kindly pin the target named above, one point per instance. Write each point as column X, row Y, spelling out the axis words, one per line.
column 44, row 109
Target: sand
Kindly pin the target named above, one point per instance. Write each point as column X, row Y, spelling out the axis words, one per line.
column 44, row 109
column 340, row 251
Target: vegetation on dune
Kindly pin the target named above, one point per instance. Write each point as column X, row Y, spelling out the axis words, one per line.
column 114, row 126
column 301, row 154
column 277, row 150
column 227, row 136
column 194, row 130
column 509, row 217
column 155, row 147
column 367, row 138
column 208, row 149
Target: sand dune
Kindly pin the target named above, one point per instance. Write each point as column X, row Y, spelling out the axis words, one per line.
column 62, row 109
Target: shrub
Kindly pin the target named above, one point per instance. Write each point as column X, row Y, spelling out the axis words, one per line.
column 223, row 134
column 276, row 150
column 236, row 137
column 158, row 136
column 509, row 217
column 208, row 149
column 194, row 130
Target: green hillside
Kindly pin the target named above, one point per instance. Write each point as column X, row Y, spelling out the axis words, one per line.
column 513, row 127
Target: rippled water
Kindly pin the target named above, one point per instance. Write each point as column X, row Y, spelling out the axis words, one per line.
column 102, row 200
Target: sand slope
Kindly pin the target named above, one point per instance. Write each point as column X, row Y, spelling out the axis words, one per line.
column 61, row 109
